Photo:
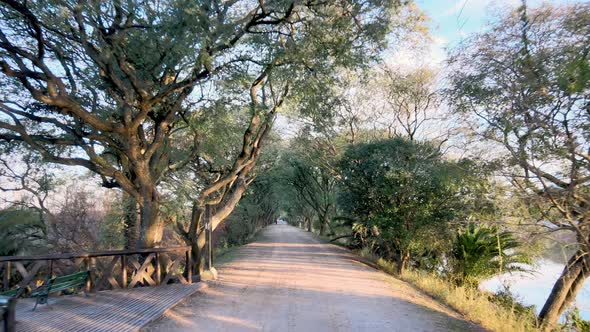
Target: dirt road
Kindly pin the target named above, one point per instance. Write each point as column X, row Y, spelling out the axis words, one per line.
column 289, row 281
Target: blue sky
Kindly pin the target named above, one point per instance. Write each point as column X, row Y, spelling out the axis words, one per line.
column 452, row 20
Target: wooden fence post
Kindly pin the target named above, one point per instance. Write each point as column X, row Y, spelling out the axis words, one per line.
column 6, row 279
column 123, row 271
column 7, row 313
column 158, row 270
column 51, row 268
column 89, row 280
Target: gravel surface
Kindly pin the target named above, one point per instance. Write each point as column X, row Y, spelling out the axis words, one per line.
column 289, row 281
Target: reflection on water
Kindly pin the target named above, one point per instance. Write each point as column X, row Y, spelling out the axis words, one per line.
column 533, row 289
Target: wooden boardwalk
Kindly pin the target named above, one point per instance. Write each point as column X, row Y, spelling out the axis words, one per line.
column 116, row 310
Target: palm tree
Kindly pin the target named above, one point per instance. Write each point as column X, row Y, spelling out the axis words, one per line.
column 480, row 252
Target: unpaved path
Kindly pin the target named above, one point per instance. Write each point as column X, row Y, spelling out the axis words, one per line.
column 289, row 281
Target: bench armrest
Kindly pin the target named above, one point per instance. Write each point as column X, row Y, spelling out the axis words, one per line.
column 41, row 291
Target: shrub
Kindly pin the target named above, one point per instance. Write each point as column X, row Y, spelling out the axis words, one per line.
column 481, row 252
column 507, row 300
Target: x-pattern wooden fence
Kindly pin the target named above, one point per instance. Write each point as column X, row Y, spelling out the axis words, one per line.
column 109, row 269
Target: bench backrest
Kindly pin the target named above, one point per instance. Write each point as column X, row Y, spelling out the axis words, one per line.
column 68, row 281
column 10, row 293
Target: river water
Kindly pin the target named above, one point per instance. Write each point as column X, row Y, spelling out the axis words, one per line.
column 533, row 289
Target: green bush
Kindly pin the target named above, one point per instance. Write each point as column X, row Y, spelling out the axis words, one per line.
column 507, row 300
column 21, row 231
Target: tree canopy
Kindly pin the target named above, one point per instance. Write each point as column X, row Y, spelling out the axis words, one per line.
column 527, row 82
column 117, row 87
column 404, row 192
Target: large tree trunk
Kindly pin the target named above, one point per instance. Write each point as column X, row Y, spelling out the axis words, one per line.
column 132, row 222
column 324, row 221
column 199, row 253
column 575, row 288
column 196, row 235
column 152, row 225
column 565, row 289
column 307, row 222
column 236, row 180
column 197, row 238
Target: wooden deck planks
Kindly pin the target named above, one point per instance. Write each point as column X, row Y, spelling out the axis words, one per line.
column 115, row 310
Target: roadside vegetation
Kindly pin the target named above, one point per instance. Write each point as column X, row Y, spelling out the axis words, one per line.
column 446, row 207
column 499, row 311
column 136, row 124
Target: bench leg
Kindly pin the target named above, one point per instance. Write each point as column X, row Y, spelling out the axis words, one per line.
column 36, row 303
column 40, row 300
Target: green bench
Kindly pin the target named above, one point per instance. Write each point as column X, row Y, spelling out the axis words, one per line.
column 10, row 293
column 59, row 284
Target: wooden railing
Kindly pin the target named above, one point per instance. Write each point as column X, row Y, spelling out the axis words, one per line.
column 108, row 269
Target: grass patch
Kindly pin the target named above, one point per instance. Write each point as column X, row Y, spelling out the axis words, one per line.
column 222, row 255
column 471, row 303
column 225, row 252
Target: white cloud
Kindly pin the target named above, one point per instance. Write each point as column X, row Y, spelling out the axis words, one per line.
column 409, row 57
column 478, row 7
column 457, row 8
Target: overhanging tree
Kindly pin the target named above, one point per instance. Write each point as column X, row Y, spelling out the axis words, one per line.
column 313, row 175
column 111, row 85
column 527, row 81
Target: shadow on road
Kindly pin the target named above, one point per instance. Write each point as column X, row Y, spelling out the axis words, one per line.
column 289, row 281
